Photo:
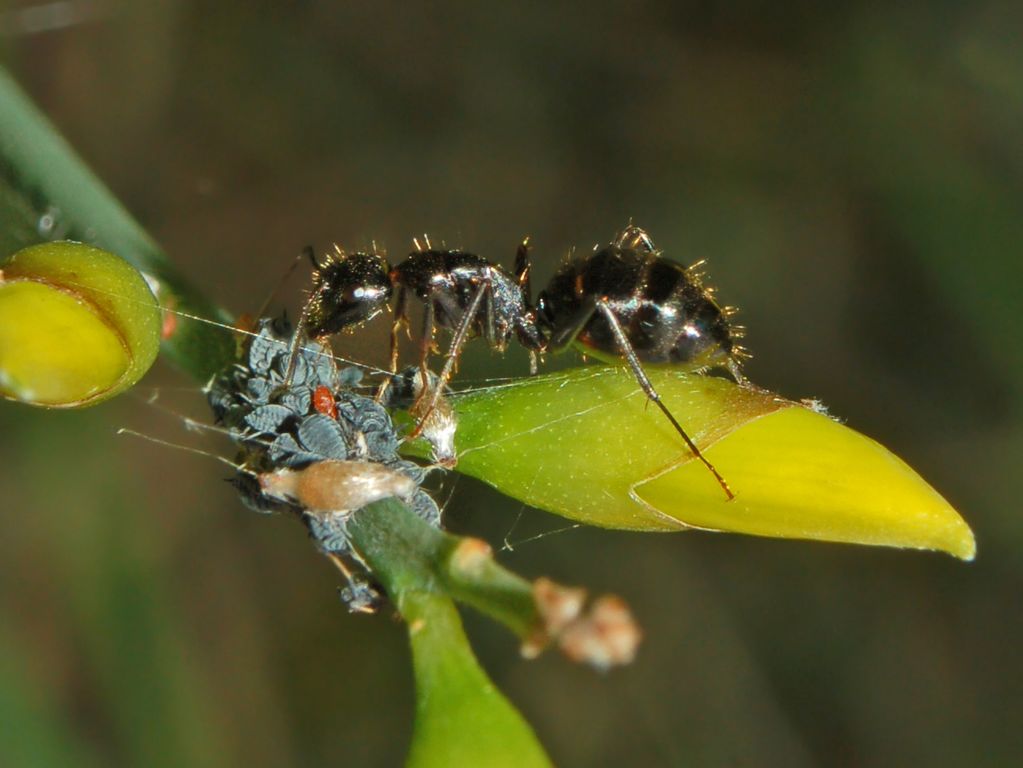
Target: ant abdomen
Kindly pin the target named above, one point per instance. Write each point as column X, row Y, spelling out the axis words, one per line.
column 665, row 312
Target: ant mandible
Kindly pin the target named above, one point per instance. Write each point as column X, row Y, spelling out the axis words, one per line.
column 625, row 300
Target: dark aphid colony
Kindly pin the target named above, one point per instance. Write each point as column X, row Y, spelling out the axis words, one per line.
column 313, row 448
column 624, row 301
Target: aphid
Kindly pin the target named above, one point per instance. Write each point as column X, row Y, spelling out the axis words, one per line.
column 313, row 448
column 438, row 425
column 324, row 494
column 624, row 301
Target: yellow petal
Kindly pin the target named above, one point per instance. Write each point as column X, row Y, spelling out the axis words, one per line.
column 800, row 475
column 59, row 351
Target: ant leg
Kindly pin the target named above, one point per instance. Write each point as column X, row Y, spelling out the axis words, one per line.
column 457, row 342
column 522, row 268
column 399, row 318
column 425, row 346
column 736, row 372
column 490, row 322
column 526, row 326
column 299, row 336
column 651, row 393
column 426, row 341
column 567, row 334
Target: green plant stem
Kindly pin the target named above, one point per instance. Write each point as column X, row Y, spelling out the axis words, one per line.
column 461, row 717
column 410, row 556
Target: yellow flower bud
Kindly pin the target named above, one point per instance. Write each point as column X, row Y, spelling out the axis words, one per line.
column 585, row 444
column 77, row 325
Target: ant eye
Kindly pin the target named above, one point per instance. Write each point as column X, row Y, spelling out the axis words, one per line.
column 366, row 294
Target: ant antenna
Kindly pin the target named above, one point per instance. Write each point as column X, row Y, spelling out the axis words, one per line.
column 298, row 335
column 188, row 449
column 308, row 250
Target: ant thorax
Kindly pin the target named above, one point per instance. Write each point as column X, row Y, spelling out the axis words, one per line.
column 449, row 280
column 665, row 311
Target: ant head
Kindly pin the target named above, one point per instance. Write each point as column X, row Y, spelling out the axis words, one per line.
column 543, row 309
column 349, row 289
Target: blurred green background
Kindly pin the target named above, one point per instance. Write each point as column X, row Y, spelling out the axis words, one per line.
column 854, row 174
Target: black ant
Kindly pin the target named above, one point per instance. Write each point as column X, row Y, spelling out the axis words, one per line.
column 622, row 301
column 460, row 291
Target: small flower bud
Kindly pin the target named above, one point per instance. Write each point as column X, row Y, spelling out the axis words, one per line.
column 77, row 325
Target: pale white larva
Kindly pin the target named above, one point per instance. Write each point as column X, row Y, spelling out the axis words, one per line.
column 334, row 486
